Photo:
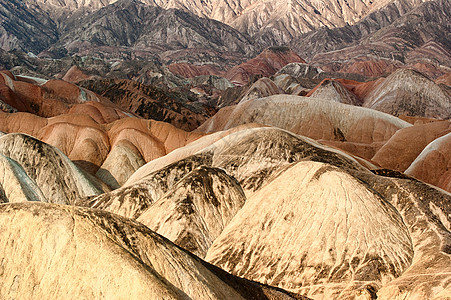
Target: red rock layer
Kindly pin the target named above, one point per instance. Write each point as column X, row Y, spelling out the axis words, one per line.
column 370, row 68
column 49, row 98
column 444, row 79
column 74, row 74
column 407, row 143
column 88, row 142
column 266, row 64
column 430, row 70
column 360, row 89
column 151, row 102
column 417, row 120
column 433, row 165
column 189, row 70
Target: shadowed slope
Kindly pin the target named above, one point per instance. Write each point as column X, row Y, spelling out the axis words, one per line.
column 15, row 184
column 56, row 176
column 195, row 211
column 97, row 147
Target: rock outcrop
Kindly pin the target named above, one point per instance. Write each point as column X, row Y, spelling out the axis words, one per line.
column 410, row 93
column 42, row 172
column 290, row 85
column 265, row 64
column 149, row 102
column 122, row 161
column 259, row 202
column 338, row 248
column 332, row 90
column 196, row 209
column 49, row 98
column 74, row 75
column 315, row 118
column 251, row 155
column 90, row 254
column 300, row 70
column 132, row 200
column 354, row 129
column 263, row 87
column 113, row 151
column 310, row 213
column 342, row 270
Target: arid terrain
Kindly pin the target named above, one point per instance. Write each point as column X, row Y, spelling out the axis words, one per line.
column 216, row 149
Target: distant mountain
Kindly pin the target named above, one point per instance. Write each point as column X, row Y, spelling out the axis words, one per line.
column 396, row 35
column 386, row 35
column 132, row 24
column 125, row 29
column 273, row 21
column 372, row 38
column 25, row 26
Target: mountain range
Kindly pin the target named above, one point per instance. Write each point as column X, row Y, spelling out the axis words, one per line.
column 281, row 20
column 361, row 37
column 225, row 149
